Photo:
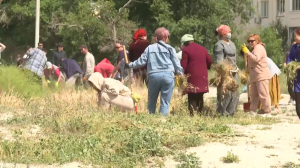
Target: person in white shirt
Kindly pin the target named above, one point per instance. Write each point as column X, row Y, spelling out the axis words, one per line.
column 88, row 64
column 274, row 88
column 2, row 48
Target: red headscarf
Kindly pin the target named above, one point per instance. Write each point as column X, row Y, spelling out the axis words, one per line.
column 139, row 33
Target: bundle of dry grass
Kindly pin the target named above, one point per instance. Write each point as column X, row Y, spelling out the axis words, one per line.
column 182, row 84
column 223, row 77
column 291, row 71
column 244, row 77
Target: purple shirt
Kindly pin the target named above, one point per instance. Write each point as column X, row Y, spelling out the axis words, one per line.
column 295, row 56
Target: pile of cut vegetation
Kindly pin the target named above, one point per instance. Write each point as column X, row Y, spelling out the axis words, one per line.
column 291, row 71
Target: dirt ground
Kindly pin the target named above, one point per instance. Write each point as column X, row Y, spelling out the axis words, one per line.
column 260, row 146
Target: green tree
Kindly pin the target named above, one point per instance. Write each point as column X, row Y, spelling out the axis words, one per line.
column 282, row 32
column 74, row 22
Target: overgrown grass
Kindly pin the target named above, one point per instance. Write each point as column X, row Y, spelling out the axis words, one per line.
column 13, row 79
column 73, row 128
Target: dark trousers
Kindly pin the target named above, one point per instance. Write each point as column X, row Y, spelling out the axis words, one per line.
column 195, row 102
column 291, row 90
column 297, row 100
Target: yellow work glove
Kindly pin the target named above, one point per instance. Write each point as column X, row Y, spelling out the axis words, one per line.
column 135, row 97
column 48, row 81
column 245, row 49
column 56, row 84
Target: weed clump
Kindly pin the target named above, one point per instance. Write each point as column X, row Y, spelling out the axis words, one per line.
column 188, row 160
column 230, row 158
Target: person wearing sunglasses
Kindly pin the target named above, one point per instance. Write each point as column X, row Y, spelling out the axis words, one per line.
column 225, row 50
column 260, row 75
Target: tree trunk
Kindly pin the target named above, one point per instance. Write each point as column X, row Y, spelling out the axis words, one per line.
column 114, row 32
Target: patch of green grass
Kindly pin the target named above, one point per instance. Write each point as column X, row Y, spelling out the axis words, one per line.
column 188, row 160
column 230, row 158
column 20, row 81
column 291, row 165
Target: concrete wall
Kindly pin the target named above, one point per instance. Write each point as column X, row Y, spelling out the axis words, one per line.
column 289, row 18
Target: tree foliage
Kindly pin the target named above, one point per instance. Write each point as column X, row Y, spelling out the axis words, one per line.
column 100, row 23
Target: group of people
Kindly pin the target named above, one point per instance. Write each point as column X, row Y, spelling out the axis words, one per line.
column 158, row 64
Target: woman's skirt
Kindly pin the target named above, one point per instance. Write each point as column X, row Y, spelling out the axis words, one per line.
column 274, row 91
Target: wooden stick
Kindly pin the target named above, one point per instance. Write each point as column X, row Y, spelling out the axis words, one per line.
column 129, row 74
column 246, row 66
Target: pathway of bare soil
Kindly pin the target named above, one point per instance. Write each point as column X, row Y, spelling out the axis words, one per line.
column 261, row 146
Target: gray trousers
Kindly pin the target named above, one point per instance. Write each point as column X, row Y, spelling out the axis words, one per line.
column 227, row 104
column 75, row 79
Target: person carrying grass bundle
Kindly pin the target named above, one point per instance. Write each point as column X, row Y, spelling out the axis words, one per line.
column 195, row 62
column 295, row 56
column 289, row 84
column 112, row 92
column 225, row 50
column 161, row 62
column 259, row 75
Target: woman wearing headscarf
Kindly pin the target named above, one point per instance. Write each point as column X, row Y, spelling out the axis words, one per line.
column 225, row 49
column 136, row 49
column 161, row 62
column 295, row 56
column 195, row 62
column 259, row 75
column 111, row 92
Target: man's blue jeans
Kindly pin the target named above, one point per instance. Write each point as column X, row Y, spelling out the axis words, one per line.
column 162, row 82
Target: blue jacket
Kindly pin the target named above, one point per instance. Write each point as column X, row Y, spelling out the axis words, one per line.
column 158, row 59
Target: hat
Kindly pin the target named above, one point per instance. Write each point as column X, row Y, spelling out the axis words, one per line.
column 60, row 45
column 186, row 37
column 83, row 46
column 48, row 65
column 139, row 33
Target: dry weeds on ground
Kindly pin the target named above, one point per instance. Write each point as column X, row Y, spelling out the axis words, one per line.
column 68, row 126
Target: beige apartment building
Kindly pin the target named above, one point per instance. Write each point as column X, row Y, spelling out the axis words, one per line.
column 267, row 11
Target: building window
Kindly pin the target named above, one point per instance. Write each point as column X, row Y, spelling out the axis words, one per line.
column 295, row 5
column 251, row 13
column 280, row 7
column 264, row 8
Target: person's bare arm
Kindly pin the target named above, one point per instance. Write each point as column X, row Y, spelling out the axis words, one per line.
column 117, row 67
column 2, row 47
